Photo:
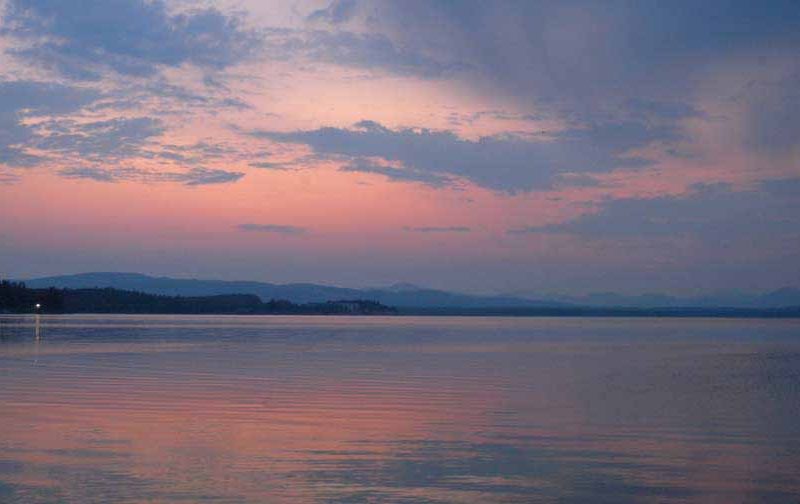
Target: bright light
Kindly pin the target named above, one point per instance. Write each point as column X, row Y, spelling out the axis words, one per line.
column 38, row 306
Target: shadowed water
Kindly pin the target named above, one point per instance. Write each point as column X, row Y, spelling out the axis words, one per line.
column 406, row 410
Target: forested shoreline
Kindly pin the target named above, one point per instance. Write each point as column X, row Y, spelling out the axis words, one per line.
column 15, row 297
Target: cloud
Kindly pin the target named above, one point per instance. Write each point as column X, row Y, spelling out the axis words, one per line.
column 164, row 97
column 368, row 51
column 664, row 110
column 782, row 188
column 715, row 213
column 580, row 180
column 197, row 152
column 70, row 141
column 8, row 178
column 131, row 37
column 267, row 165
column 116, row 138
column 337, row 12
column 193, row 177
column 43, row 98
column 272, row 228
column 207, row 176
column 772, row 122
column 595, row 62
column 579, row 52
column 99, row 174
column 501, row 162
column 399, row 174
column 23, row 99
column 435, row 229
column 15, row 156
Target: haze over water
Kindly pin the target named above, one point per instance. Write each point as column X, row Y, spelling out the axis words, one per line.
column 407, row 410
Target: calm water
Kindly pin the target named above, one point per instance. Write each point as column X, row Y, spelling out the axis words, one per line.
column 406, row 410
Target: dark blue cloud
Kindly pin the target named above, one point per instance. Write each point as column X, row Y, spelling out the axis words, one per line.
column 580, row 180
column 268, row 165
column 400, row 174
column 272, row 228
column 665, row 110
column 96, row 174
column 96, row 142
column 438, row 229
column 23, row 99
column 43, row 98
column 578, row 44
column 197, row 152
column 131, row 37
column 782, row 188
column 164, row 98
column 588, row 62
column 117, row 138
column 368, row 51
column 338, row 11
column 207, row 176
column 714, row 213
column 502, row 162
column 773, row 118
column 192, row 177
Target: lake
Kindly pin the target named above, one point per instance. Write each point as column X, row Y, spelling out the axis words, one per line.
column 276, row 409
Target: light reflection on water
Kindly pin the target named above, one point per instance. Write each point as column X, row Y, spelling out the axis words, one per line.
column 340, row 409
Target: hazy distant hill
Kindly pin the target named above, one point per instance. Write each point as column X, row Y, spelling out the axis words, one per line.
column 405, row 295
column 786, row 297
column 399, row 295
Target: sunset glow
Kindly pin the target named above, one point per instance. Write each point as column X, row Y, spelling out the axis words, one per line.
column 476, row 146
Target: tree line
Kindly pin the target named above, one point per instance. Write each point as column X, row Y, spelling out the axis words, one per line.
column 15, row 297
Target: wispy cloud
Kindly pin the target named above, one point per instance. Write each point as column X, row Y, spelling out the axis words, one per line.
column 130, row 37
column 8, row 178
column 438, row 229
column 399, row 174
column 23, row 99
column 268, row 165
column 502, row 162
column 192, row 177
column 364, row 50
column 338, row 11
column 708, row 212
column 116, row 138
column 272, row 228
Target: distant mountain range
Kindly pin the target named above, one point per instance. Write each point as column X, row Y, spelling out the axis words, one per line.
column 16, row 298
column 785, row 297
column 398, row 295
column 407, row 295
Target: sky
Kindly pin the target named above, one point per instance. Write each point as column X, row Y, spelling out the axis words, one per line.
column 495, row 147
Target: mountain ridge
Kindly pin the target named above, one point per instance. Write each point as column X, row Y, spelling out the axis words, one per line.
column 409, row 295
column 778, row 298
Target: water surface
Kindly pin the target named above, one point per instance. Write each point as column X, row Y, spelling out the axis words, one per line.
column 408, row 410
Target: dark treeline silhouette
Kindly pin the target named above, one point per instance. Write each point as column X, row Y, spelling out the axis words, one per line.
column 17, row 298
